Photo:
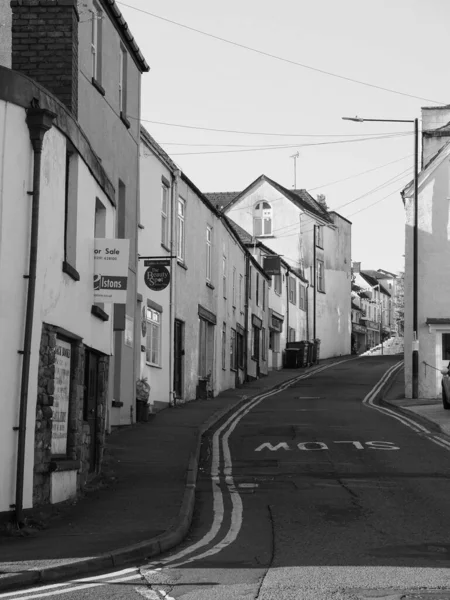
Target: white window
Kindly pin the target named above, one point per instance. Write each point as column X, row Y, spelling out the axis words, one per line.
column 96, row 38
column 257, row 289
column 165, row 215
column 302, row 297
column 224, row 275
column 208, row 253
column 292, row 291
column 181, row 228
column 319, row 236
column 241, row 285
column 277, row 284
column 320, row 276
column 153, row 351
column 262, row 219
column 234, row 287
column 122, row 81
column 264, row 295
column 224, row 346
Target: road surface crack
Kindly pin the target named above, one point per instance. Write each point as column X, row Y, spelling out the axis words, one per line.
column 272, row 553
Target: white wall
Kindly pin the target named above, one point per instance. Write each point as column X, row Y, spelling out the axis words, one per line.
column 59, row 299
column 333, row 307
column 433, row 284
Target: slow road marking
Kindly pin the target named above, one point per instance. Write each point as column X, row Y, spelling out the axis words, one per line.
column 317, row 446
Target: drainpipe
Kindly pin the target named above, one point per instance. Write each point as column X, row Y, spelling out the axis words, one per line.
column 39, row 121
column 315, row 283
column 247, row 288
column 172, row 298
column 307, row 310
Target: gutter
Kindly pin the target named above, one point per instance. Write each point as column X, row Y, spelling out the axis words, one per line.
column 39, row 121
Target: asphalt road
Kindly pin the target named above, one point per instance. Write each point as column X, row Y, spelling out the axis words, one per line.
column 306, row 494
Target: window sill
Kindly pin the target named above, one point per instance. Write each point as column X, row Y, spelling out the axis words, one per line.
column 117, row 404
column 152, row 365
column 98, row 86
column 140, row 226
column 165, row 247
column 182, row 265
column 99, row 313
column 63, row 464
column 321, row 291
column 234, row 370
column 124, row 120
column 210, row 285
column 70, row 271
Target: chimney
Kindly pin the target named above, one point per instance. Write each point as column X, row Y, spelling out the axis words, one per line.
column 45, row 46
column 356, row 266
column 435, row 131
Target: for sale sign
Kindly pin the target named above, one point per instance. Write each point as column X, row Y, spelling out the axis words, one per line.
column 111, row 270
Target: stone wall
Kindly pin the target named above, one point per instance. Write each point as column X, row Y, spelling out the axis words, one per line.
column 79, row 436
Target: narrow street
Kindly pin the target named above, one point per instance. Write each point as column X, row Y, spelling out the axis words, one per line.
column 308, row 493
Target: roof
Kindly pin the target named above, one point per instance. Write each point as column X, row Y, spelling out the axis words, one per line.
column 372, row 278
column 122, row 26
column 302, row 198
column 248, row 240
column 222, row 199
column 153, row 144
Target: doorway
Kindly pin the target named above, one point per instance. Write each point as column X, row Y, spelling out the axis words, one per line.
column 90, row 408
column 178, row 358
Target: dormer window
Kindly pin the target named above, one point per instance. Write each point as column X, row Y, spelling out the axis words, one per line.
column 262, row 219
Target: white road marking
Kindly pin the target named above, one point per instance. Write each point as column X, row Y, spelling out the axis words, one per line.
column 382, row 446
column 357, row 445
column 268, row 446
column 54, row 586
column 317, row 446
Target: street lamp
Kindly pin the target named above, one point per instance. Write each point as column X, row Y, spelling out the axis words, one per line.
column 415, row 344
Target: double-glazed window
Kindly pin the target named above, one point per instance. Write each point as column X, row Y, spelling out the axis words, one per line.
column 96, row 43
column 292, row 290
column 262, row 219
column 165, row 215
column 319, row 236
column 320, row 276
column 302, row 290
column 208, row 253
column 153, row 348
column 181, row 216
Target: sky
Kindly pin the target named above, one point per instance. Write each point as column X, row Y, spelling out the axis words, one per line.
column 197, row 82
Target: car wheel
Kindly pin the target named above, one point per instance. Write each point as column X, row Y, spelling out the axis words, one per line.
column 445, row 399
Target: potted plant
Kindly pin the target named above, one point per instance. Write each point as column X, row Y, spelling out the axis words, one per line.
column 142, row 395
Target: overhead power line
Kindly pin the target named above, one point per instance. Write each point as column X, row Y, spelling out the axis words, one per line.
column 283, row 146
column 280, row 58
column 265, row 133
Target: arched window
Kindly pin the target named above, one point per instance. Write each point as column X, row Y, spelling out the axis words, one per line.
column 262, row 219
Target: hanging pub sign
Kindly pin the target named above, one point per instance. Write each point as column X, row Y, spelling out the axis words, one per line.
column 157, row 277
column 111, row 270
column 272, row 265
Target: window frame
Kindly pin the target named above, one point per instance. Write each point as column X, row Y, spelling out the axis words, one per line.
column 234, row 288
column 224, row 346
column 181, row 229
column 96, row 42
column 165, row 214
column 320, row 274
column 278, row 284
column 224, row 275
column 292, row 288
column 152, row 326
column 233, row 350
column 122, row 81
column 262, row 215
column 208, row 253
column 319, row 236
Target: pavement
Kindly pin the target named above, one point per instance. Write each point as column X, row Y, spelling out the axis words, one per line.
column 142, row 504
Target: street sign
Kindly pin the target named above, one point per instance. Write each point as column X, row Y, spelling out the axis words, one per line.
column 148, row 262
column 111, row 257
column 157, row 277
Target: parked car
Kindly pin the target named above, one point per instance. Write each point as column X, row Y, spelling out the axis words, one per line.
column 446, row 387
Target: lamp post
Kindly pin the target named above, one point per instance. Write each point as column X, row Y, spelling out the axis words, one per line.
column 415, row 344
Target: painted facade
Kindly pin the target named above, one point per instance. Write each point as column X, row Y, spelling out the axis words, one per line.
column 67, row 327
column 286, row 220
column 210, row 324
column 96, row 70
column 433, row 314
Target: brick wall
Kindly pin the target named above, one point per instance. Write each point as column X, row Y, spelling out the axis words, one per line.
column 45, row 45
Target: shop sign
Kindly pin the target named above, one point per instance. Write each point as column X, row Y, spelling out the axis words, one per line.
column 111, row 270
column 272, row 265
column 157, row 277
column 61, row 394
column 358, row 328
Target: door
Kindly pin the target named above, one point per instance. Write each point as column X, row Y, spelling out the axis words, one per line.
column 442, row 356
column 178, row 358
column 91, row 404
column 256, row 333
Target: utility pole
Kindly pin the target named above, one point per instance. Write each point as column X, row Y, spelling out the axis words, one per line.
column 295, row 156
